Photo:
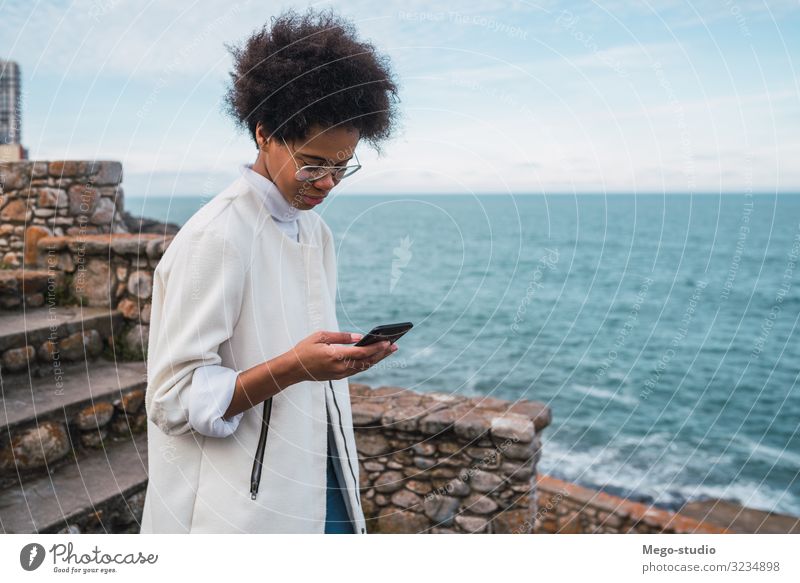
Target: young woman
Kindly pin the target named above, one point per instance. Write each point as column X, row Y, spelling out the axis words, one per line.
column 249, row 420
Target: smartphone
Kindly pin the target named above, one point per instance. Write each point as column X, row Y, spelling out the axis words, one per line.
column 390, row 332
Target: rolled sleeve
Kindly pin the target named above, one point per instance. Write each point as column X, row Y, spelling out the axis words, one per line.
column 211, row 394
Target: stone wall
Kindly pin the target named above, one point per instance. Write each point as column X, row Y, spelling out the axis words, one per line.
column 442, row 463
column 566, row 508
column 113, row 270
column 42, row 198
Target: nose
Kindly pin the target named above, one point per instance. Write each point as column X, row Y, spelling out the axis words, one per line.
column 325, row 183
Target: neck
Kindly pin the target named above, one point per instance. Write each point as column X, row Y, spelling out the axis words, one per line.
column 260, row 166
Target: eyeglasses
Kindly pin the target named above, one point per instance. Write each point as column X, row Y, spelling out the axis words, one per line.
column 310, row 173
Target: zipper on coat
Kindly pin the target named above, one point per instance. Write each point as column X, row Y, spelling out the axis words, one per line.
column 255, row 475
column 346, row 450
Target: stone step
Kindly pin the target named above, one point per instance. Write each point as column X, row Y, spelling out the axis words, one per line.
column 28, row 288
column 36, row 341
column 97, row 492
column 45, row 421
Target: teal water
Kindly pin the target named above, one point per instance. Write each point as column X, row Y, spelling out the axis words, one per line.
column 661, row 331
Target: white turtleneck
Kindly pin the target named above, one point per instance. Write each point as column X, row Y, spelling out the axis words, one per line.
column 285, row 214
column 213, row 385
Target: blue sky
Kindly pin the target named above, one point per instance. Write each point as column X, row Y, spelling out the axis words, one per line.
column 508, row 97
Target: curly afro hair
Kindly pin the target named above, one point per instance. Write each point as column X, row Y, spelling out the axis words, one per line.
column 308, row 70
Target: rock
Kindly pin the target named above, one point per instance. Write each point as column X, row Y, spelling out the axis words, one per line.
column 94, row 416
column 482, row 481
column 81, row 345
column 389, row 481
column 103, row 213
column 538, row 412
column 144, row 315
column 32, row 236
column 472, row 524
column 457, row 487
column 140, row 284
column 94, row 439
column 522, row 451
column 133, row 509
column 373, row 466
column 442, row 472
column 372, row 443
column 403, row 418
column 82, row 199
column 136, row 340
column 51, row 198
column 479, row 504
column 513, row 522
column 68, row 168
column 17, row 359
column 472, row 425
column 393, row 521
column 133, row 245
column 14, row 175
column 424, row 448
column 129, row 309
column 11, row 260
column 406, row 499
column 513, row 426
column 16, row 211
column 437, row 422
column 441, row 509
column 107, row 173
column 39, row 446
column 418, row 486
column 366, row 414
column 424, row 463
column 515, row 471
column 95, row 283
column 130, row 402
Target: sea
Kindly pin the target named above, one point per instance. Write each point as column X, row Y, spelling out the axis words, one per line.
column 661, row 330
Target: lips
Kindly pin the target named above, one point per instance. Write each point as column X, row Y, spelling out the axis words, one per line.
column 314, row 200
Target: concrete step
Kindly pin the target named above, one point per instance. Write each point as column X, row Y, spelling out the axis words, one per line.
column 97, row 492
column 28, row 288
column 36, row 341
column 45, row 421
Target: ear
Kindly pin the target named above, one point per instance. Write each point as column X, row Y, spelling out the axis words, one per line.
column 261, row 141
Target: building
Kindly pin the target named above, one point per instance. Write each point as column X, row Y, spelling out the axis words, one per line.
column 10, row 113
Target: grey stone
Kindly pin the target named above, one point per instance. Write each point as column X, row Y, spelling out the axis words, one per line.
column 441, row 509
column 513, row 426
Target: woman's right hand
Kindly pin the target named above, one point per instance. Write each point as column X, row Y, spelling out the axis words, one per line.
column 325, row 355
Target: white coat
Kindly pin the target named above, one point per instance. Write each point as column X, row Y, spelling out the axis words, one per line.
column 233, row 290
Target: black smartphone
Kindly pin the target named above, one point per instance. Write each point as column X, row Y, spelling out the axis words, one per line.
column 390, row 332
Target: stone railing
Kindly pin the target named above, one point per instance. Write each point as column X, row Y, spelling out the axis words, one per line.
column 40, row 199
column 442, row 463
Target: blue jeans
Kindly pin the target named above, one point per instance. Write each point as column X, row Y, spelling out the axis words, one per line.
column 337, row 520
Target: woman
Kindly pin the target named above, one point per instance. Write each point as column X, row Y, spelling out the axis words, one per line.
column 249, row 420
